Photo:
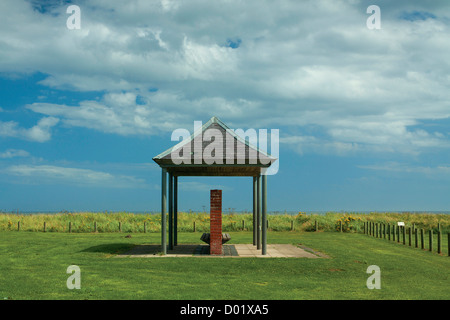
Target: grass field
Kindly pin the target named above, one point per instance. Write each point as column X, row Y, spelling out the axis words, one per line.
column 33, row 266
column 130, row 222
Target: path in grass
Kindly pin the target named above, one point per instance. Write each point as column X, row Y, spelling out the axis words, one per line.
column 34, row 266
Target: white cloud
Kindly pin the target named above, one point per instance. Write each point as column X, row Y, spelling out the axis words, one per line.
column 13, row 153
column 120, row 113
column 300, row 64
column 38, row 174
column 41, row 132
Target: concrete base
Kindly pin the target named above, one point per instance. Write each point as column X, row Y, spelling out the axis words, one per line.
column 243, row 251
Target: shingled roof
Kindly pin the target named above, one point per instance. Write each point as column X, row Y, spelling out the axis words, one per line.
column 226, row 154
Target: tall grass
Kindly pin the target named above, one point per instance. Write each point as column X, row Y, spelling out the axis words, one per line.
column 131, row 222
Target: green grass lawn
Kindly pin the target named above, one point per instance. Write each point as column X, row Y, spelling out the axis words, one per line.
column 33, row 266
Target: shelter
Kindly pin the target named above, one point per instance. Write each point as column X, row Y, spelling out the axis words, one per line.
column 213, row 150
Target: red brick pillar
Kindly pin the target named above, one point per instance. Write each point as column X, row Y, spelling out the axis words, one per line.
column 215, row 237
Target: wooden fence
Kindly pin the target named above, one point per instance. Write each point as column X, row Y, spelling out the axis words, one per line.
column 410, row 236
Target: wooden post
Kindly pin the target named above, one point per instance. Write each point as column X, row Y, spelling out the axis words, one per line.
column 95, row 226
column 422, row 242
column 292, row 225
column 389, row 231
column 45, row 225
column 175, row 210
column 145, row 227
column 448, row 240
column 264, row 215
column 194, row 226
column 70, row 226
column 398, row 234
column 384, row 231
column 18, row 226
column 431, row 240
column 163, row 211
column 404, row 235
column 416, row 238
column 315, row 226
column 170, row 211
column 258, row 219
column 120, row 226
column 255, row 211
column 376, row 230
column 340, row 226
column 410, row 236
column 439, row 248
column 243, row 224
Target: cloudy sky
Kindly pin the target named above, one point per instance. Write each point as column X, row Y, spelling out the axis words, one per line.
column 363, row 113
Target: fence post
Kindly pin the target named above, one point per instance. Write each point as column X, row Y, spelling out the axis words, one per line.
column 340, row 226
column 292, row 225
column 45, row 226
column 95, row 226
column 70, row 226
column 18, row 226
column 145, row 227
column 243, row 224
column 194, row 226
column 448, row 240
column 439, row 248
column 389, row 231
column 422, row 239
column 315, row 226
column 431, row 240
column 404, row 234
column 120, row 226
column 410, row 236
column 416, row 238
column 398, row 234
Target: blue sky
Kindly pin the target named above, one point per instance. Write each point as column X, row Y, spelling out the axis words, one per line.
column 364, row 115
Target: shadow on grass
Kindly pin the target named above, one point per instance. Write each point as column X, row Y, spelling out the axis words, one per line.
column 111, row 248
